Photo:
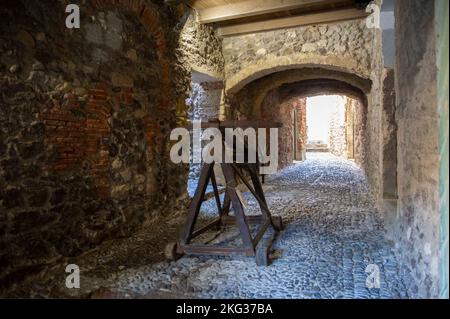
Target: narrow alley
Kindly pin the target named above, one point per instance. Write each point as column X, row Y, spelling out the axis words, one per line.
column 332, row 234
column 154, row 149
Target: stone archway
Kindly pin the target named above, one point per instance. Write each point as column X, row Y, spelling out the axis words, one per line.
column 287, row 104
column 252, row 95
column 354, row 110
column 286, row 88
column 270, row 66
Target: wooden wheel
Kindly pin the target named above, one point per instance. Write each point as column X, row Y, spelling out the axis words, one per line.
column 171, row 252
column 277, row 223
column 262, row 254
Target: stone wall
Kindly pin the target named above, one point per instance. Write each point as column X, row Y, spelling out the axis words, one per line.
column 350, row 128
column 360, row 133
column 442, row 32
column 200, row 49
column 302, row 136
column 275, row 110
column 417, row 222
column 349, row 52
column 359, row 114
column 201, row 53
column 337, row 136
column 355, row 131
column 204, row 104
column 84, row 124
column 346, row 45
column 373, row 159
column 278, row 109
column 389, row 137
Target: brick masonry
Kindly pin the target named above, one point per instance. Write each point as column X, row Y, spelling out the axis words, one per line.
column 276, row 108
column 84, row 124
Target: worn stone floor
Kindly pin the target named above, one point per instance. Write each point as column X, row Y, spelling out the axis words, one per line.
column 333, row 232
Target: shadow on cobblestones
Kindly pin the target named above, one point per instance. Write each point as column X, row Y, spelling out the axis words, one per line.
column 333, row 232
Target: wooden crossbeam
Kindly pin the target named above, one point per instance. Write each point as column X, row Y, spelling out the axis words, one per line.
column 291, row 22
column 251, row 8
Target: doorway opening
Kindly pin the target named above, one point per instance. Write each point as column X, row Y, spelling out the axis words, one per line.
column 326, row 128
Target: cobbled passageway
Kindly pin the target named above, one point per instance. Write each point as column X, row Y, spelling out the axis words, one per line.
column 332, row 234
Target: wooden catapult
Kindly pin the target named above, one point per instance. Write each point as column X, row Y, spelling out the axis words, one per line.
column 251, row 245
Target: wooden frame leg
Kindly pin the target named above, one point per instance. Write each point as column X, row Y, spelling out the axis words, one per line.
column 196, row 203
column 256, row 190
column 259, row 190
column 216, row 192
column 244, row 230
column 226, row 205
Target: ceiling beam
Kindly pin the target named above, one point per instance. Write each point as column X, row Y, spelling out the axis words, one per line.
column 291, row 22
column 250, row 8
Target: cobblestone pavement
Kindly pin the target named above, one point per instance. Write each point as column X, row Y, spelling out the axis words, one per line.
column 332, row 234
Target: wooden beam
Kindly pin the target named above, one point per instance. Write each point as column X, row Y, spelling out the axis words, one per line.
column 250, row 8
column 291, row 22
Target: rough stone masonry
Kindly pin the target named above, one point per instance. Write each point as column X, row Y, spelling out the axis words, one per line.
column 83, row 122
column 86, row 114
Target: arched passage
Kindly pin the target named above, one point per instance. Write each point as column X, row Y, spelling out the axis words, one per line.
column 288, row 104
column 282, row 96
column 354, row 110
column 249, row 98
column 85, row 172
column 271, row 65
